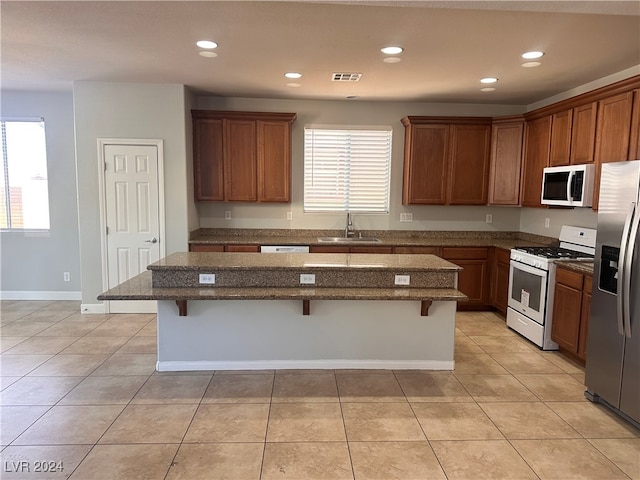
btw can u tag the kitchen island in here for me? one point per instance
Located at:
(237, 311)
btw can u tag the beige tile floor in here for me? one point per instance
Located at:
(80, 398)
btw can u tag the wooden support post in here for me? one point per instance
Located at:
(182, 308)
(306, 306)
(424, 307)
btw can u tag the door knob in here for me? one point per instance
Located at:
(153, 240)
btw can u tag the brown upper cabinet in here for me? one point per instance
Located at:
(573, 133)
(506, 160)
(634, 147)
(536, 158)
(446, 160)
(242, 156)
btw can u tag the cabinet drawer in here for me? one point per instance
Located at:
(588, 282)
(424, 250)
(568, 278)
(242, 248)
(453, 253)
(206, 248)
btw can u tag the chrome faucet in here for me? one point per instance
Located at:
(349, 231)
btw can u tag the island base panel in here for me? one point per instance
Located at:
(267, 334)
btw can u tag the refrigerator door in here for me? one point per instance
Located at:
(619, 186)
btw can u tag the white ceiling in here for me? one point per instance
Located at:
(448, 46)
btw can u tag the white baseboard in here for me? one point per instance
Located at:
(39, 295)
(305, 364)
(93, 308)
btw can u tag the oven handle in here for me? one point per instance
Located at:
(532, 270)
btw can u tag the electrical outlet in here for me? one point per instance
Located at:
(289, 215)
(207, 278)
(406, 217)
(488, 218)
(307, 279)
(403, 279)
(67, 276)
(227, 214)
(547, 222)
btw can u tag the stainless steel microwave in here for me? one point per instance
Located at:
(570, 186)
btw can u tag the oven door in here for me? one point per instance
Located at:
(528, 290)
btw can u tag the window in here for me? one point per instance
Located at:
(25, 200)
(347, 169)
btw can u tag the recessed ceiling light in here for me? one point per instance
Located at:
(293, 75)
(206, 44)
(293, 85)
(208, 54)
(392, 50)
(392, 59)
(531, 64)
(487, 89)
(488, 80)
(532, 55)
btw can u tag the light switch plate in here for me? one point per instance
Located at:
(307, 279)
(406, 217)
(403, 279)
(207, 278)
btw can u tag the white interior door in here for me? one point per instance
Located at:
(132, 217)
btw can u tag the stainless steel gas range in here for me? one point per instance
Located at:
(532, 278)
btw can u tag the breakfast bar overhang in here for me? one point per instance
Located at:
(236, 311)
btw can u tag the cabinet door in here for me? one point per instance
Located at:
(469, 164)
(473, 281)
(634, 148)
(583, 133)
(207, 159)
(565, 327)
(536, 157)
(560, 138)
(613, 132)
(240, 179)
(274, 161)
(506, 164)
(584, 318)
(425, 164)
(500, 283)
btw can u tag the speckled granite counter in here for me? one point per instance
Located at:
(585, 268)
(396, 238)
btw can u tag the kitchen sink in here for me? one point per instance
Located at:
(348, 239)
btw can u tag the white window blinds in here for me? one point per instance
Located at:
(347, 169)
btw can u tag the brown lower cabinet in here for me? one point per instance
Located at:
(571, 307)
(473, 280)
(500, 280)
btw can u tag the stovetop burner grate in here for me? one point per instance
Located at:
(554, 252)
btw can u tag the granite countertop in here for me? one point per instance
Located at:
(506, 240)
(140, 288)
(584, 267)
(205, 261)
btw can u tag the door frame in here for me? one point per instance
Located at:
(148, 142)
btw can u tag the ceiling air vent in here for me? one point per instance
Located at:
(345, 77)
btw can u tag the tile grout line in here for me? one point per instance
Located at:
(266, 430)
(344, 425)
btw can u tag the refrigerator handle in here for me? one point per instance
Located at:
(622, 270)
(628, 261)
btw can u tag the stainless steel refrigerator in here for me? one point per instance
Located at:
(613, 343)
